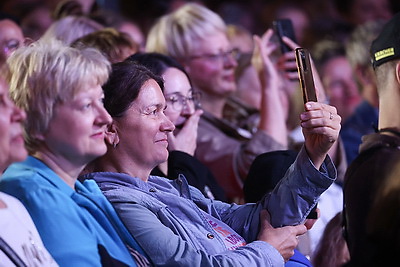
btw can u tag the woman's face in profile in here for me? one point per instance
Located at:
(77, 129)
(143, 130)
(11, 139)
(178, 95)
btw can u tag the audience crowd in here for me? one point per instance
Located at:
(174, 133)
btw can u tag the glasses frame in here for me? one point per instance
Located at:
(182, 101)
(221, 56)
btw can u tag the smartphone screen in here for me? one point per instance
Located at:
(313, 213)
(305, 75)
(284, 27)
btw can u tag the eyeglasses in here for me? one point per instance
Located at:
(178, 101)
(222, 56)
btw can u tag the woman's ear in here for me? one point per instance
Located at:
(398, 72)
(111, 135)
(39, 137)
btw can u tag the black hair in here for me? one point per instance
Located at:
(156, 62)
(343, 6)
(124, 84)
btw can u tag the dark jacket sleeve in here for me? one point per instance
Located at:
(196, 173)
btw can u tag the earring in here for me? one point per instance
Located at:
(114, 145)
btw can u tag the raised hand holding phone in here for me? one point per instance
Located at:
(320, 122)
(283, 28)
(308, 89)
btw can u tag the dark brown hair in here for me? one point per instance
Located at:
(124, 84)
(109, 41)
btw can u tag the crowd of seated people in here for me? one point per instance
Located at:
(182, 140)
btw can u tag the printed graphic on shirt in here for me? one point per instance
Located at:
(231, 239)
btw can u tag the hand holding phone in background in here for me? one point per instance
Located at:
(284, 27)
(288, 61)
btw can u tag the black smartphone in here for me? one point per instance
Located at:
(305, 75)
(284, 27)
(313, 213)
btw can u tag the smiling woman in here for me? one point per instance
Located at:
(145, 118)
(134, 99)
(59, 88)
(184, 110)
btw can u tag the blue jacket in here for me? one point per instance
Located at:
(78, 227)
(363, 121)
(298, 260)
(171, 220)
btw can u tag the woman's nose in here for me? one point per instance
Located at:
(167, 125)
(103, 116)
(19, 115)
(187, 109)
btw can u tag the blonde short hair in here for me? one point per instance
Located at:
(175, 34)
(70, 28)
(359, 43)
(46, 73)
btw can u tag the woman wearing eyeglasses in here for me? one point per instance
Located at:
(183, 103)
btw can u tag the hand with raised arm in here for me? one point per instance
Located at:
(272, 110)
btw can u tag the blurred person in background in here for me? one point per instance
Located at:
(364, 119)
(35, 23)
(113, 19)
(115, 45)
(337, 77)
(11, 38)
(70, 28)
(357, 12)
(332, 250)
